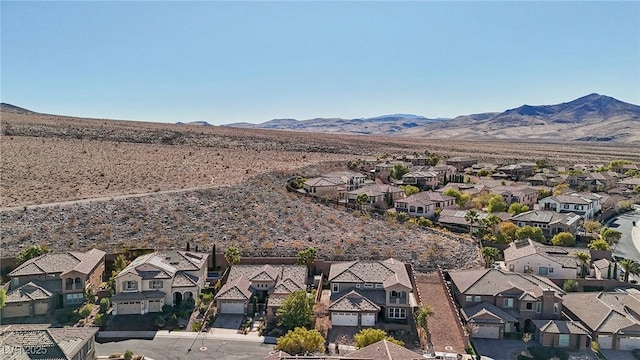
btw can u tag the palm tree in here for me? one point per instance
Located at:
(583, 258)
(232, 255)
(490, 254)
(422, 319)
(630, 267)
(472, 217)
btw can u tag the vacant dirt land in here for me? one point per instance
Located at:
(47, 158)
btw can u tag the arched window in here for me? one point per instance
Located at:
(69, 284)
(78, 282)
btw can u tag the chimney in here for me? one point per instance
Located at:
(548, 298)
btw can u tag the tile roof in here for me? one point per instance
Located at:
(492, 282)
(608, 312)
(388, 272)
(167, 264)
(561, 255)
(485, 312)
(384, 350)
(602, 264)
(427, 197)
(323, 181)
(27, 292)
(560, 327)
(376, 190)
(353, 302)
(56, 343)
(514, 189)
(62, 263)
(455, 216)
(236, 290)
(183, 279)
(547, 217)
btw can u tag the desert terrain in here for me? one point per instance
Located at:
(230, 186)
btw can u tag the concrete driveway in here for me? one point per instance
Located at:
(228, 321)
(499, 349)
(618, 355)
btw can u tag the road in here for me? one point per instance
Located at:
(176, 348)
(629, 245)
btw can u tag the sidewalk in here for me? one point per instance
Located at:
(212, 334)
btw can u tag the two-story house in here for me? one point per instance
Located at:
(157, 279)
(554, 262)
(423, 180)
(461, 162)
(366, 293)
(494, 302)
(334, 185)
(425, 203)
(517, 172)
(53, 280)
(379, 195)
(550, 222)
(246, 281)
(41, 341)
(585, 205)
(517, 194)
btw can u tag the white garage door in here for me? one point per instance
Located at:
(41, 307)
(229, 307)
(128, 307)
(368, 319)
(16, 310)
(155, 305)
(604, 341)
(344, 319)
(629, 343)
(486, 332)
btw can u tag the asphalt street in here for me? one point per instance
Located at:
(170, 348)
(626, 247)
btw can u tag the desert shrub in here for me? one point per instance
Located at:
(104, 305)
(197, 326)
(85, 310)
(128, 355)
(115, 356)
(98, 320)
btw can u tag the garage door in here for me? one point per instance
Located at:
(486, 332)
(368, 319)
(128, 307)
(344, 319)
(41, 307)
(155, 305)
(629, 343)
(604, 341)
(16, 310)
(229, 307)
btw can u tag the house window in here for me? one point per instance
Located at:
(155, 284)
(68, 284)
(512, 267)
(538, 308)
(368, 285)
(550, 270)
(507, 302)
(75, 298)
(378, 286)
(526, 269)
(129, 285)
(468, 298)
(477, 298)
(15, 281)
(397, 313)
(395, 293)
(529, 306)
(566, 206)
(556, 308)
(335, 287)
(78, 283)
(563, 340)
(543, 270)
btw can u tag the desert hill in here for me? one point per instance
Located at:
(592, 117)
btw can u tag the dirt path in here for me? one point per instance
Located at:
(444, 325)
(107, 198)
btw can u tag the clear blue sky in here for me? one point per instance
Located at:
(226, 62)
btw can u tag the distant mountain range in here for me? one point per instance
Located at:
(592, 117)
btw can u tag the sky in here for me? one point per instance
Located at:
(226, 62)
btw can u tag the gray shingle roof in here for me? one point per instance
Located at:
(56, 343)
(384, 350)
(61, 263)
(608, 312)
(560, 327)
(27, 292)
(547, 217)
(237, 290)
(492, 282)
(354, 302)
(564, 256)
(485, 312)
(388, 272)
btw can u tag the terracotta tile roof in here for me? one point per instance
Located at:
(560, 327)
(56, 343)
(384, 350)
(388, 272)
(60, 263)
(27, 292)
(354, 302)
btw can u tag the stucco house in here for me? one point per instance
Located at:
(365, 293)
(423, 180)
(334, 185)
(461, 162)
(553, 262)
(246, 281)
(550, 222)
(495, 302)
(53, 280)
(455, 219)
(425, 203)
(562, 334)
(41, 341)
(612, 318)
(517, 172)
(517, 194)
(585, 205)
(379, 195)
(157, 279)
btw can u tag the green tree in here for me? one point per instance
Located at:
(399, 169)
(361, 199)
(630, 267)
(543, 163)
(307, 256)
(471, 217)
(128, 355)
(543, 193)
(584, 258)
(461, 199)
(611, 236)
(301, 341)
(434, 159)
(296, 310)
(3, 297)
(517, 208)
(496, 204)
(592, 226)
(487, 226)
(422, 316)
(232, 255)
(563, 239)
(89, 296)
(370, 336)
(530, 232)
(570, 285)
(409, 189)
(490, 254)
(599, 244)
(31, 252)
(506, 232)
